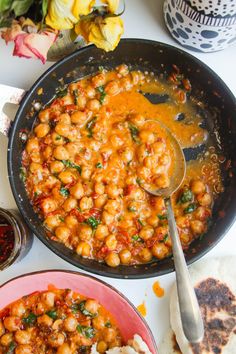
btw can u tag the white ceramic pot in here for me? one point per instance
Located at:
(202, 25)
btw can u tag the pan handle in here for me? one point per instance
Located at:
(8, 94)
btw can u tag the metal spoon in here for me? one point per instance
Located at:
(191, 318)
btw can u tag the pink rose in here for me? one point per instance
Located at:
(34, 45)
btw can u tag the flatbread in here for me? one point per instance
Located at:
(168, 344)
(215, 284)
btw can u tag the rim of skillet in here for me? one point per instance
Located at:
(44, 240)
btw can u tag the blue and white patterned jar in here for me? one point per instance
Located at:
(202, 25)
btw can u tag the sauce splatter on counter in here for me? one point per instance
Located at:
(157, 289)
(142, 309)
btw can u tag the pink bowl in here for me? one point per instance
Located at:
(129, 320)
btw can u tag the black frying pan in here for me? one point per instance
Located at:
(219, 115)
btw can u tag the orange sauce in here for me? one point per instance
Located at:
(142, 309)
(157, 289)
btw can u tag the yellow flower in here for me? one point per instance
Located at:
(105, 33)
(112, 5)
(63, 14)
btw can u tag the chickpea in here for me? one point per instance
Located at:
(122, 69)
(42, 130)
(93, 105)
(204, 199)
(153, 220)
(62, 233)
(77, 190)
(64, 349)
(145, 255)
(2, 329)
(60, 153)
(99, 188)
(69, 204)
(22, 337)
(56, 166)
(56, 339)
(158, 204)
(162, 181)
(147, 136)
(12, 323)
(150, 162)
(67, 177)
(197, 227)
(81, 102)
(101, 232)
(107, 218)
(102, 346)
(86, 203)
(83, 249)
(112, 206)
(144, 172)
(70, 323)
(6, 339)
(158, 147)
(100, 201)
(52, 221)
(67, 99)
(112, 88)
(98, 80)
(18, 309)
(135, 77)
(137, 194)
(48, 205)
(137, 119)
(90, 92)
(45, 320)
(44, 115)
(63, 129)
(142, 152)
(112, 259)
(159, 250)
(109, 334)
(125, 256)
(197, 187)
(126, 83)
(57, 139)
(98, 322)
(113, 191)
(78, 117)
(71, 221)
(92, 306)
(32, 144)
(85, 232)
(164, 160)
(86, 173)
(116, 141)
(111, 242)
(24, 349)
(48, 298)
(146, 232)
(64, 118)
(202, 213)
(127, 154)
(115, 343)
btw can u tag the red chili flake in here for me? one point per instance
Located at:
(6, 242)
(129, 189)
(101, 254)
(70, 108)
(80, 217)
(151, 241)
(96, 213)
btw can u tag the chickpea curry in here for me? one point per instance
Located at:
(91, 149)
(57, 321)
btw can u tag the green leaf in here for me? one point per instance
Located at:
(76, 96)
(61, 92)
(44, 8)
(88, 332)
(5, 5)
(61, 219)
(99, 165)
(102, 92)
(164, 238)
(20, 7)
(68, 163)
(12, 345)
(186, 196)
(30, 319)
(52, 314)
(84, 311)
(90, 126)
(134, 132)
(162, 217)
(190, 208)
(137, 238)
(108, 324)
(74, 308)
(93, 222)
(132, 209)
(141, 222)
(64, 192)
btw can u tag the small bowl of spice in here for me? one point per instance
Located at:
(15, 238)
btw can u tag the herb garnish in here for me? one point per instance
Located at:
(64, 192)
(164, 238)
(137, 238)
(141, 222)
(99, 165)
(93, 222)
(108, 324)
(68, 163)
(76, 96)
(61, 92)
(162, 217)
(30, 319)
(52, 314)
(84, 311)
(132, 209)
(134, 132)
(102, 92)
(22, 174)
(186, 196)
(190, 208)
(11, 348)
(88, 332)
(90, 126)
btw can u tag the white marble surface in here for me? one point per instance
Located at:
(143, 19)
